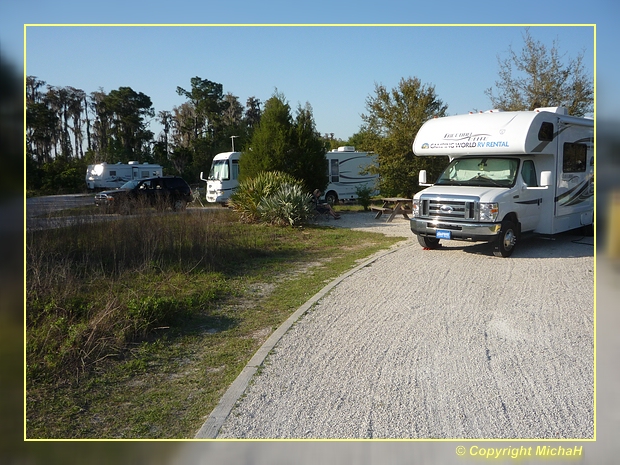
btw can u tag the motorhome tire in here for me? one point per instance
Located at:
(506, 241)
(428, 242)
(588, 230)
(331, 198)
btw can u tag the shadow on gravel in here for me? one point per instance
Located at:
(565, 245)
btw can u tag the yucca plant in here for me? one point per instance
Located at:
(273, 197)
(288, 205)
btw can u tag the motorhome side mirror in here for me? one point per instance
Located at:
(545, 178)
(422, 177)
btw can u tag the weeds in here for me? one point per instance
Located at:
(93, 288)
(136, 326)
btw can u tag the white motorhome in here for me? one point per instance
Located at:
(110, 176)
(347, 170)
(223, 178)
(509, 173)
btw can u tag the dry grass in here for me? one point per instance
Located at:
(135, 327)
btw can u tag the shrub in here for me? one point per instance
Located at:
(364, 194)
(272, 197)
(288, 205)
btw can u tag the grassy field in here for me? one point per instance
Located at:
(136, 327)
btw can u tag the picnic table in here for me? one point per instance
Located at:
(393, 206)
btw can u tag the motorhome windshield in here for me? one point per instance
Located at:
(480, 171)
(219, 170)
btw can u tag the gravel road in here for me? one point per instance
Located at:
(450, 343)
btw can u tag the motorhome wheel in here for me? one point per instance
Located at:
(506, 241)
(428, 242)
(331, 198)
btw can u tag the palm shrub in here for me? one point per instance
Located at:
(272, 197)
(288, 205)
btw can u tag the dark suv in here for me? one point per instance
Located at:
(160, 192)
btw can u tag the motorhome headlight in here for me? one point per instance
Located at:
(489, 211)
(415, 208)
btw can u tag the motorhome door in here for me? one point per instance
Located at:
(575, 183)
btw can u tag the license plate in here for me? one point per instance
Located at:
(443, 234)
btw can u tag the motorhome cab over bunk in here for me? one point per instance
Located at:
(509, 173)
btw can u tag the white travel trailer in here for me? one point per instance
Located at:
(509, 173)
(223, 178)
(110, 176)
(347, 170)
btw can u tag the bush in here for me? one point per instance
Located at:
(364, 194)
(272, 197)
(288, 205)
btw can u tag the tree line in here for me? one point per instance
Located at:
(67, 129)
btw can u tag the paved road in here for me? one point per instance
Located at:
(451, 343)
(40, 210)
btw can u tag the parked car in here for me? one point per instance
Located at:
(159, 192)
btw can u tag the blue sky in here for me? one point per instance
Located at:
(333, 68)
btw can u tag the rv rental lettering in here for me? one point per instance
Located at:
(466, 145)
(465, 140)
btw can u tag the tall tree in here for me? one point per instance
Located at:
(129, 110)
(281, 143)
(165, 119)
(394, 118)
(207, 97)
(252, 112)
(309, 163)
(539, 76)
(271, 143)
(76, 98)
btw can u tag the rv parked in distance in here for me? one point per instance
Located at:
(223, 177)
(348, 170)
(110, 176)
(509, 173)
(345, 170)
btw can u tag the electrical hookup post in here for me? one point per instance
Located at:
(550, 451)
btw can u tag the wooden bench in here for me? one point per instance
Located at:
(380, 210)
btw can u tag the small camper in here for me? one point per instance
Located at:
(223, 177)
(509, 173)
(348, 170)
(109, 176)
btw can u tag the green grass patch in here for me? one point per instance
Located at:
(137, 326)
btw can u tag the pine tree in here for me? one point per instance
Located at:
(280, 143)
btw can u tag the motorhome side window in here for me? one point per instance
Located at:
(335, 170)
(235, 169)
(546, 132)
(528, 173)
(112, 173)
(575, 157)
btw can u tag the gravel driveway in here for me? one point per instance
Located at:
(450, 343)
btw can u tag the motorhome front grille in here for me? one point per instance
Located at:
(452, 227)
(456, 209)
